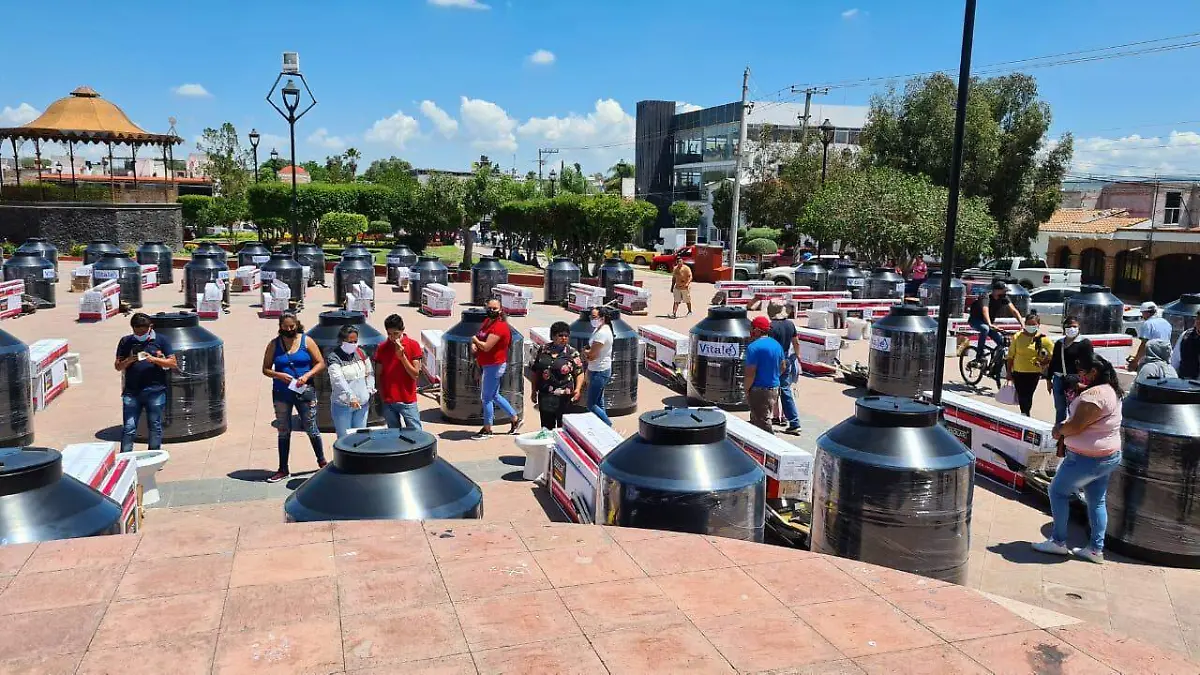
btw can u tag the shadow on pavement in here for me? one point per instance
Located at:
(512, 460)
(250, 475)
(111, 434)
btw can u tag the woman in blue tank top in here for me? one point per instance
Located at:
(293, 358)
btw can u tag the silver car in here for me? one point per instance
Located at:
(1048, 303)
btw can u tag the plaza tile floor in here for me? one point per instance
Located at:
(218, 481)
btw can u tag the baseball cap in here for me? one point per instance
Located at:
(761, 323)
(1149, 306)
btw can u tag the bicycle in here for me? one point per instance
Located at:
(973, 368)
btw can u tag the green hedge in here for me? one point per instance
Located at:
(51, 192)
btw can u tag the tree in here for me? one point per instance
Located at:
(481, 195)
(223, 212)
(379, 227)
(685, 214)
(225, 161)
(317, 172)
(336, 170)
(342, 226)
(759, 247)
(1005, 161)
(392, 172)
(440, 205)
(722, 205)
(192, 206)
(616, 172)
(351, 157)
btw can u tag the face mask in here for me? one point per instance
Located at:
(493, 313)
(1031, 329)
(143, 338)
(1085, 380)
(596, 323)
(1071, 332)
(348, 348)
(288, 332)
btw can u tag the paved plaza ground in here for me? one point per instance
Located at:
(216, 485)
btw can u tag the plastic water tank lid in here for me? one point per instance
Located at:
(909, 309)
(1092, 288)
(384, 451)
(894, 411)
(682, 426)
(175, 319)
(475, 314)
(1173, 391)
(726, 312)
(29, 468)
(1189, 299)
(341, 317)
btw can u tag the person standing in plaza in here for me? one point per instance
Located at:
(1028, 358)
(352, 379)
(1185, 357)
(681, 283)
(490, 346)
(1153, 327)
(291, 361)
(599, 357)
(556, 375)
(399, 361)
(763, 368)
(144, 359)
(1061, 379)
(783, 331)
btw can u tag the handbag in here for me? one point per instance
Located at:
(1007, 395)
(308, 395)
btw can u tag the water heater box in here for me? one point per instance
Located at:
(1005, 443)
(573, 479)
(789, 468)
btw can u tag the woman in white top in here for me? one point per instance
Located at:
(352, 376)
(599, 357)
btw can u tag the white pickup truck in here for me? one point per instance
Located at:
(1029, 272)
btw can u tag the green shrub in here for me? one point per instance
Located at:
(759, 246)
(416, 241)
(763, 233)
(76, 250)
(193, 206)
(339, 226)
(379, 227)
(52, 192)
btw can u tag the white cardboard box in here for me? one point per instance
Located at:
(360, 298)
(538, 336)
(740, 293)
(514, 300)
(1114, 347)
(249, 278)
(121, 486)
(100, 302)
(631, 299)
(434, 353)
(573, 478)
(48, 370)
(595, 437)
(1001, 440)
(149, 276)
(819, 350)
(437, 300)
(789, 468)
(10, 297)
(208, 303)
(798, 302)
(583, 296)
(89, 463)
(666, 352)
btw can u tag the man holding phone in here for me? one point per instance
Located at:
(144, 358)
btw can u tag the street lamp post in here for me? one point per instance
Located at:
(58, 170)
(254, 149)
(290, 96)
(553, 177)
(827, 130)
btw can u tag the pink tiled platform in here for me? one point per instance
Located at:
(507, 597)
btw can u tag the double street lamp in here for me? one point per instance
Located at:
(254, 149)
(827, 129)
(290, 96)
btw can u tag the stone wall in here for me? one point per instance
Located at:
(68, 224)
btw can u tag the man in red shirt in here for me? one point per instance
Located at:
(399, 360)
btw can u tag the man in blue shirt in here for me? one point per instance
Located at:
(764, 365)
(1153, 327)
(144, 358)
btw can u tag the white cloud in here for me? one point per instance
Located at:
(850, 13)
(396, 130)
(1135, 155)
(684, 107)
(488, 125)
(321, 138)
(542, 57)
(460, 4)
(19, 115)
(446, 125)
(607, 124)
(191, 91)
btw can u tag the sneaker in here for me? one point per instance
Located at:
(1052, 547)
(793, 429)
(321, 463)
(277, 476)
(481, 435)
(1089, 554)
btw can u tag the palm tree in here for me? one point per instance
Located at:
(352, 156)
(616, 172)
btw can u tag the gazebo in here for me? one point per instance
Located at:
(85, 117)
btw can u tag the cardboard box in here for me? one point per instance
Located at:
(434, 353)
(798, 301)
(10, 298)
(1004, 443)
(48, 370)
(595, 437)
(1115, 347)
(666, 352)
(583, 296)
(573, 479)
(360, 298)
(149, 276)
(437, 300)
(819, 351)
(89, 463)
(81, 278)
(208, 303)
(631, 299)
(514, 300)
(538, 336)
(789, 468)
(853, 308)
(100, 302)
(248, 278)
(121, 486)
(741, 293)
(403, 278)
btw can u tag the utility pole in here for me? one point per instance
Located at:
(737, 173)
(542, 152)
(808, 94)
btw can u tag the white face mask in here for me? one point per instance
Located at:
(1071, 332)
(596, 323)
(1031, 329)
(349, 348)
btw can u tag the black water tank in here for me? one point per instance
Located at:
(16, 393)
(620, 396)
(903, 352)
(155, 252)
(281, 266)
(883, 282)
(613, 271)
(38, 502)
(356, 247)
(96, 249)
(41, 281)
(892, 487)
(486, 275)
(196, 390)
(118, 265)
(681, 473)
(1099, 311)
(1153, 510)
(460, 374)
(1018, 295)
(1181, 314)
(215, 249)
(428, 270)
(312, 257)
(812, 274)
(355, 266)
(717, 357)
(556, 284)
(400, 256)
(930, 292)
(325, 335)
(42, 247)
(385, 474)
(847, 277)
(253, 253)
(202, 269)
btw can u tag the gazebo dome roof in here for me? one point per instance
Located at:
(87, 118)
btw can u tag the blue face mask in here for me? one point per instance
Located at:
(144, 338)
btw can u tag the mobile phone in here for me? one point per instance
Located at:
(142, 356)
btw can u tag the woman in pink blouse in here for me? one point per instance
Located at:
(1091, 435)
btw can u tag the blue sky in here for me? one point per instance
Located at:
(438, 82)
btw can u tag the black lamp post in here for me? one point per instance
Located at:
(553, 177)
(827, 130)
(290, 96)
(254, 149)
(58, 170)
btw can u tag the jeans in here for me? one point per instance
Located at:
(1089, 474)
(1058, 384)
(307, 411)
(346, 418)
(986, 332)
(409, 413)
(787, 398)
(132, 406)
(490, 394)
(597, 381)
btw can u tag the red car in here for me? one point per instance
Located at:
(666, 261)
